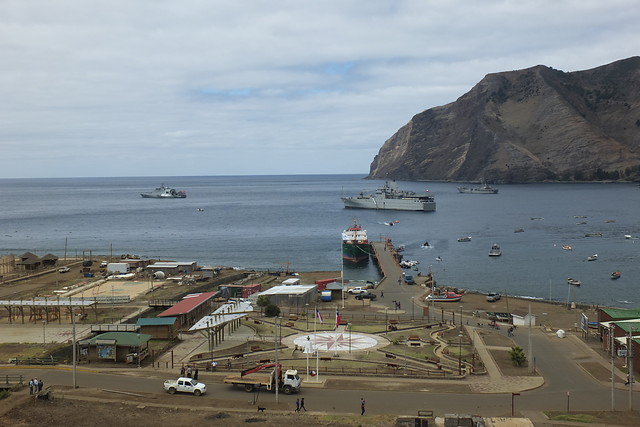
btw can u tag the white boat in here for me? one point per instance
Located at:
(464, 239)
(592, 257)
(567, 248)
(574, 282)
(388, 197)
(495, 250)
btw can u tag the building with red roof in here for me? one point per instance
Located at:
(191, 308)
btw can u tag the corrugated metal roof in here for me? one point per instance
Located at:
(189, 303)
(288, 290)
(156, 321)
(225, 313)
(619, 313)
(122, 338)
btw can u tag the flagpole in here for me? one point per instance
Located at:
(315, 344)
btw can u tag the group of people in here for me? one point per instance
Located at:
(300, 405)
(35, 385)
(189, 372)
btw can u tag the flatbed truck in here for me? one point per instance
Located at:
(251, 379)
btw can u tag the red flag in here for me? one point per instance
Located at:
(337, 318)
(319, 316)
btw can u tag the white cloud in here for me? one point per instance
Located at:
(206, 87)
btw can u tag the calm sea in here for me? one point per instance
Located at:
(271, 222)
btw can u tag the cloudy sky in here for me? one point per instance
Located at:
(253, 87)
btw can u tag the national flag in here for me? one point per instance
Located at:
(319, 316)
(337, 318)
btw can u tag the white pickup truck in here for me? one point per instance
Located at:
(357, 290)
(185, 385)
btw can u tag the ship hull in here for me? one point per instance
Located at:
(355, 252)
(389, 204)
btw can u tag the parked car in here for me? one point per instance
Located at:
(357, 290)
(409, 280)
(367, 295)
(64, 270)
(493, 296)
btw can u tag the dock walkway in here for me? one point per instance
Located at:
(387, 257)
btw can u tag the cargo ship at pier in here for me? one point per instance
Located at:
(355, 244)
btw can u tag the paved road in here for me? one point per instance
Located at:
(417, 395)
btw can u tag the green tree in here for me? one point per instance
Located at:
(262, 302)
(272, 310)
(517, 356)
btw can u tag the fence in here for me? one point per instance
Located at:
(36, 361)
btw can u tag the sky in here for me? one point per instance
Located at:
(263, 87)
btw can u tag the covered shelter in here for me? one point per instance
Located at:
(29, 262)
(118, 347)
(48, 309)
(190, 309)
(523, 318)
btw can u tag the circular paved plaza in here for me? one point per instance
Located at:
(335, 341)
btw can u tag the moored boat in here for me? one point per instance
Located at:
(355, 243)
(464, 239)
(445, 297)
(616, 275)
(495, 250)
(164, 192)
(592, 257)
(389, 197)
(567, 247)
(574, 282)
(483, 189)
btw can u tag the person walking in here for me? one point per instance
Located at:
(361, 406)
(31, 386)
(195, 374)
(297, 405)
(188, 371)
(302, 405)
(182, 371)
(381, 294)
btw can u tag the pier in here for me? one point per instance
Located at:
(387, 257)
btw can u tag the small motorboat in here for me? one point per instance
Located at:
(616, 275)
(519, 230)
(574, 282)
(445, 297)
(567, 247)
(464, 239)
(495, 250)
(592, 257)
(426, 245)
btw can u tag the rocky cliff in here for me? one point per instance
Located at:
(537, 124)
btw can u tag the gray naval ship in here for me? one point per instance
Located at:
(388, 197)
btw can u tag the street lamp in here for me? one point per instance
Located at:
(460, 354)
(349, 326)
(44, 332)
(386, 321)
(460, 318)
(307, 315)
(412, 308)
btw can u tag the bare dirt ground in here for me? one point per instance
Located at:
(90, 407)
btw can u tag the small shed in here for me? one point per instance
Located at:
(523, 318)
(159, 327)
(118, 347)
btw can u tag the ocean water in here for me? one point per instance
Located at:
(295, 222)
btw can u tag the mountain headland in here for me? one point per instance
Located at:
(532, 125)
